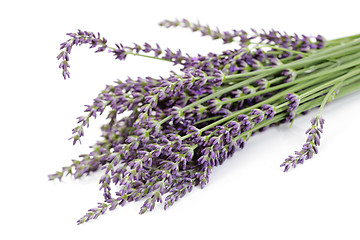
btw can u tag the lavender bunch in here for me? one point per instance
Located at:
(181, 126)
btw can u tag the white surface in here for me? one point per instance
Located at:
(248, 197)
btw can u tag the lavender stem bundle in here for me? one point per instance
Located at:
(181, 126)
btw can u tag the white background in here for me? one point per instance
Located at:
(248, 197)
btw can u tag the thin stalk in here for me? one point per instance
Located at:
(350, 74)
(280, 48)
(341, 40)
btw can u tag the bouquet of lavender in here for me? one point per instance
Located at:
(181, 126)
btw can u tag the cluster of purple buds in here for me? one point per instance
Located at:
(309, 148)
(269, 111)
(79, 38)
(289, 75)
(294, 102)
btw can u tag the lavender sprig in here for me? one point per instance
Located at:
(317, 124)
(79, 38)
(309, 148)
(120, 52)
(294, 42)
(94, 213)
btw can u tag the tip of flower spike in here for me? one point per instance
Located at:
(57, 175)
(75, 138)
(79, 222)
(143, 210)
(286, 168)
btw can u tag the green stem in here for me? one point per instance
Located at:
(341, 40)
(208, 119)
(282, 49)
(350, 74)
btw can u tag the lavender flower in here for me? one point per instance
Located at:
(309, 148)
(79, 38)
(94, 213)
(269, 111)
(257, 115)
(294, 102)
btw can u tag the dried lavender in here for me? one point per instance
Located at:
(181, 126)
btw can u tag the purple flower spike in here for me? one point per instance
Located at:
(310, 147)
(257, 115)
(269, 111)
(79, 38)
(294, 101)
